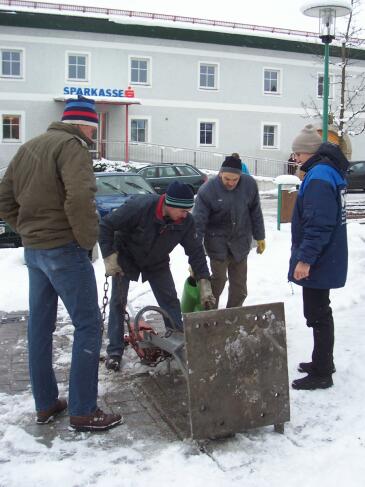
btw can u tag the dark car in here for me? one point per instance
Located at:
(356, 175)
(114, 188)
(161, 175)
(8, 238)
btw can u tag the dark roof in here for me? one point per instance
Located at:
(104, 26)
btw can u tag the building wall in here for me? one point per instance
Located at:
(173, 103)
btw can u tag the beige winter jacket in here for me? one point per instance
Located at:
(47, 192)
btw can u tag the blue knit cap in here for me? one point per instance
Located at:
(80, 112)
(179, 195)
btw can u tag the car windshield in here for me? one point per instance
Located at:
(121, 184)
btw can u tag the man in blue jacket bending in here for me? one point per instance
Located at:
(318, 260)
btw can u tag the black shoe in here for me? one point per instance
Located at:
(307, 367)
(112, 362)
(313, 382)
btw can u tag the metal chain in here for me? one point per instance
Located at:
(105, 303)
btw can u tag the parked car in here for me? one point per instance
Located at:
(114, 188)
(8, 238)
(356, 175)
(161, 175)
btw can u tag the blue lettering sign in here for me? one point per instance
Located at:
(110, 92)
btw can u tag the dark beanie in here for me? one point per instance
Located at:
(179, 195)
(80, 112)
(232, 164)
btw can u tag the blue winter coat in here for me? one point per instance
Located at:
(319, 235)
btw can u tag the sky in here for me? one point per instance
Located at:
(282, 13)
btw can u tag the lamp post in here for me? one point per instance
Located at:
(327, 12)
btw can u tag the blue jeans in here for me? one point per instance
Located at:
(163, 288)
(64, 272)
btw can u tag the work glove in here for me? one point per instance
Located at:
(112, 268)
(260, 246)
(207, 300)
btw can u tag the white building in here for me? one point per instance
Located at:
(206, 88)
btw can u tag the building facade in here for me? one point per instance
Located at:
(203, 90)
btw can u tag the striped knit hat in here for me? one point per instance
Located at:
(80, 112)
(179, 195)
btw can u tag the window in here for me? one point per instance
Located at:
(186, 171)
(77, 66)
(139, 130)
(208, 132)
(208, 74)
(272, 81)
(270, 136)
(11, 63)
(167, 172)
(320, 80)
(150, 172)
(11, 128)
(140, 71)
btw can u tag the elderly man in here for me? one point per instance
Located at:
(137, 239)
(318, 260)
(47, 196)
(227, 215)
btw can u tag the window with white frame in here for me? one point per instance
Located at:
(207, 133)
(320, 85)
(139, 130)
(140, 71)
(11, 128)
(208, 76)
(272, 80)
(77, 66)
(11, 63)
(270, 136)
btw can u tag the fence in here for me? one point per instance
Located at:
(152, 153)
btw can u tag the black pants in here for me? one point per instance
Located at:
(318, 313)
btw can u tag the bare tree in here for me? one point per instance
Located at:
(344, 110)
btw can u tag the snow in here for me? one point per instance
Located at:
(323, 444)
(287, 179)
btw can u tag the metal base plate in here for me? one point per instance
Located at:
(237, 369)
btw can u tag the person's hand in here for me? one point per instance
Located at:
(301, 271)
(112, 268)
(207, 300)
(260, 246)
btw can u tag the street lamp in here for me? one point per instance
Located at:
(327, 12)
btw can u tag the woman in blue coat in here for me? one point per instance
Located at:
(318, 260)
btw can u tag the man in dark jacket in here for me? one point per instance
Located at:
(47, 195)
(318, 260)
(137, 239)
(227, 214)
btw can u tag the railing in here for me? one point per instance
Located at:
(156, 154)
(149, 15)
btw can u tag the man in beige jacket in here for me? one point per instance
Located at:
(47, 196)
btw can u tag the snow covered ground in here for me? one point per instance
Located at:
(323, 444)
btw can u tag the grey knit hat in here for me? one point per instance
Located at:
(308, 140)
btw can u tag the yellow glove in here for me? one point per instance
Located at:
(260, 246)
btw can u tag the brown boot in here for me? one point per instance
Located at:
(96, 421)
(44, 417)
